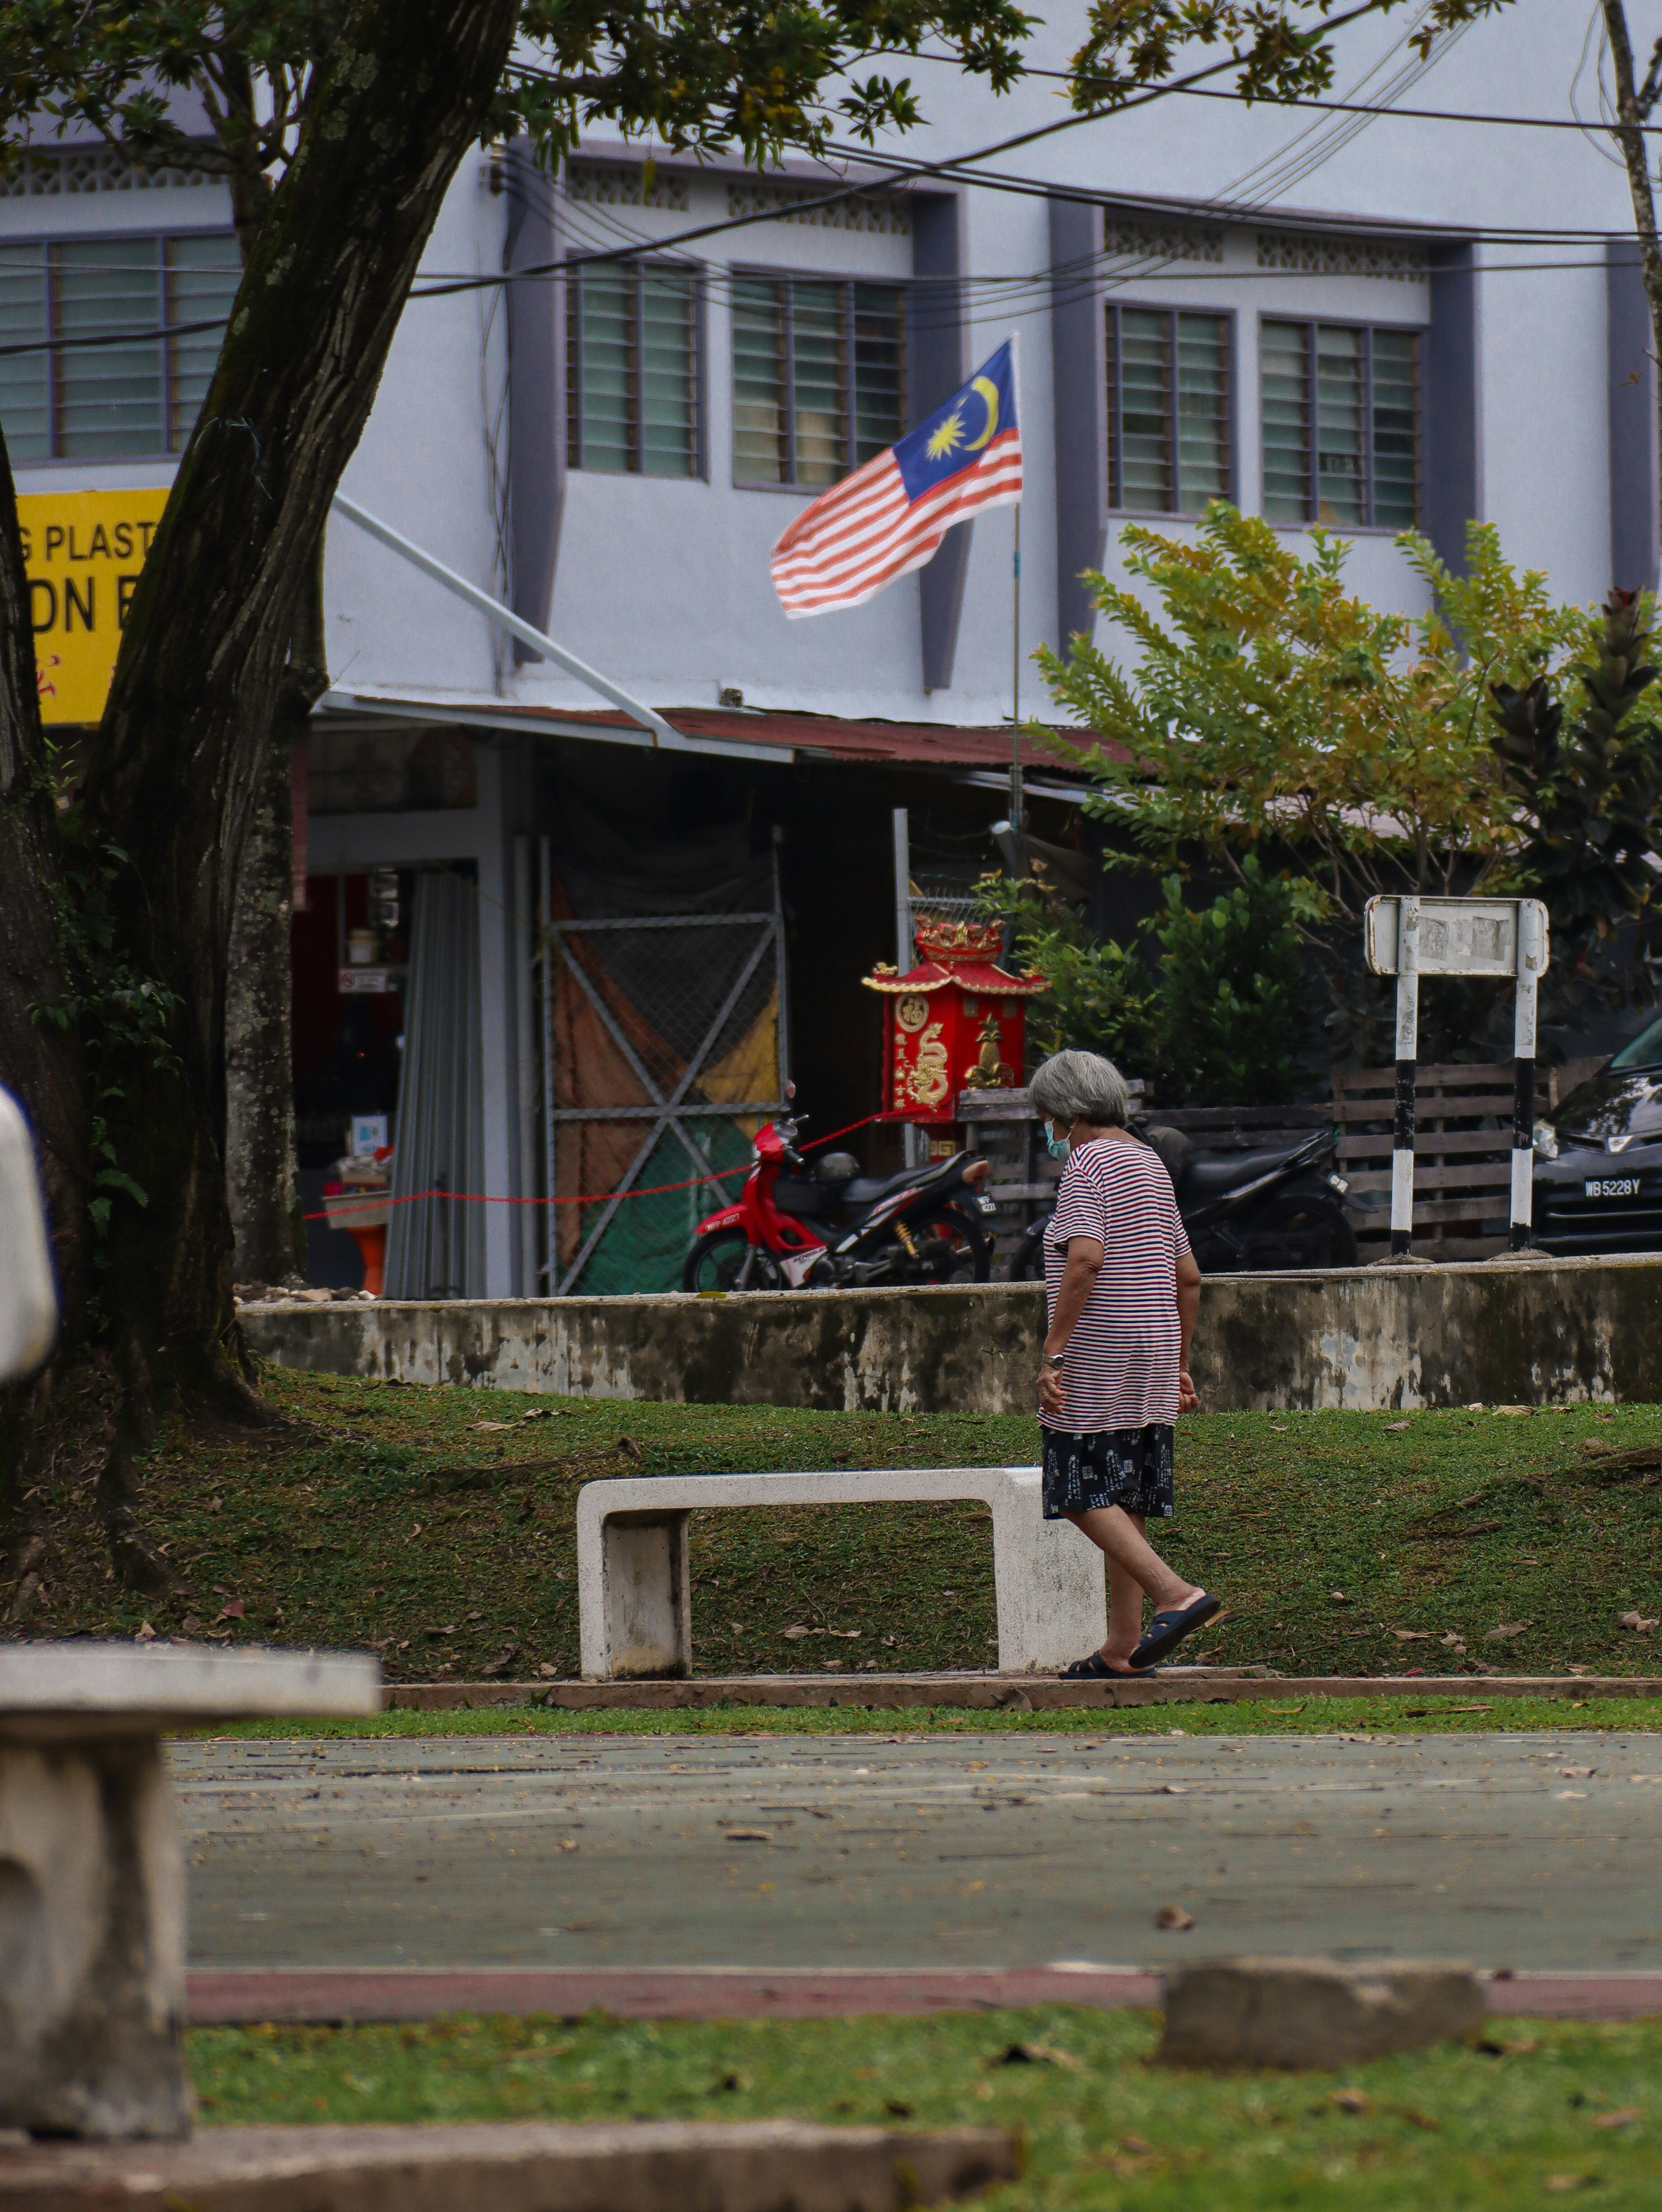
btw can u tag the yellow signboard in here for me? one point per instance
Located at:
(83, 550)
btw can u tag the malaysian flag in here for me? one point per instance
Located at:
(889, 516)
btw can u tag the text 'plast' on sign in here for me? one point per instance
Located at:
(84, 551)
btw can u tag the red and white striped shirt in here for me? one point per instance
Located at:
(1122, 1358)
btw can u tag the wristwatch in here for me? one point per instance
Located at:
(1057, 1359)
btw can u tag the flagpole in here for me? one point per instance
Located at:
(1016, 687)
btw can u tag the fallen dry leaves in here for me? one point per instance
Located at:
(1505, 1629)
(1038, 2054)
(1174, 1916)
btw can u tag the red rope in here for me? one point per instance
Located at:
(584, 1197)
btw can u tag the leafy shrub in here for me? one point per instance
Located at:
(1215, 1014)
(1229, 992)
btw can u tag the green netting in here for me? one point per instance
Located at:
(646, 1239)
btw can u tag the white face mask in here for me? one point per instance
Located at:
(1057, 1146)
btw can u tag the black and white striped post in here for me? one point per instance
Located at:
(1407, 1053)
(1410, 937)
(1531, 960)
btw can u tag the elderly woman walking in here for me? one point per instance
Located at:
(1122, 1291)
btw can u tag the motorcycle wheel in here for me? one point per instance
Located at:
(951, 1248)
(716, 1258)
(1292, 1230)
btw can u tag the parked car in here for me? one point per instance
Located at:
(1598, 1161)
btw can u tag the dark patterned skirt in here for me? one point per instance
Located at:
(1128, 1467)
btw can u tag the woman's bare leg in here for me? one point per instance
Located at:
(1124, 1608)
(1119, 1535)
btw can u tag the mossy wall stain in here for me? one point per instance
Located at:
(1525, 1333)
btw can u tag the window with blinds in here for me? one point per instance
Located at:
(1168, 410)
(1340, 418)
(819, 378)
(632, 352)
(113, 367)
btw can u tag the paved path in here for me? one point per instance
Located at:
(990, 1850)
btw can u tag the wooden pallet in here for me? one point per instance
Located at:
(1002, 1125)
(1462, 1157)
(1462, 1150)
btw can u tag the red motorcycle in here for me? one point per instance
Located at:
(796, 1226)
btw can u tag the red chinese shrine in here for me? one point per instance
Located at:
(956, 1022)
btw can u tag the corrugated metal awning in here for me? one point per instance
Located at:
(979, 754)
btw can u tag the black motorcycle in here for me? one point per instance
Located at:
(1275, 1208)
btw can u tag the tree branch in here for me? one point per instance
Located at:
(1629, 137)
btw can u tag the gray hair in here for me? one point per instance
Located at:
(1079, 1086)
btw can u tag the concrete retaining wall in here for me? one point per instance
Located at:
(1501, 1332)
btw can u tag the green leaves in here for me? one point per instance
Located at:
(1230, 992)
(1266, 707)
(1101, 995)
(1279, 49)
(1591, 795)
(698, 75)
(1216, 1015)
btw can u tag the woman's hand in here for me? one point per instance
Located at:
(1052, 1390)
(1187, 1396)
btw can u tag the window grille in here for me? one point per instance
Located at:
(1340, 419)
(618, 184)
(110, 373)
(1396, 261)
(819, 378)
(632, 370)
(59, 173)
(1168, 410)
(882, 215)
(1134, 238)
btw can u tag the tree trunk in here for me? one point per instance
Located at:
(178, 763)
(1634, 106)
(269, 1236)
(259, 1084)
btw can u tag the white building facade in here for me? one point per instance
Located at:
(1372, 321)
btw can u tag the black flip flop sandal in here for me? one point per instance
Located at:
(1167, 1630)
(1096, 1669)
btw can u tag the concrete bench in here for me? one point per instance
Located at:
(92, 1870)
(635, 1589)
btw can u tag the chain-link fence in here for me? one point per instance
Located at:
(663, 1050)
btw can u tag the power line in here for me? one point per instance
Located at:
(1425, 114)
(947, 166)
(1041, 283)
(957, 168)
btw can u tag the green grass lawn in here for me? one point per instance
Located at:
(1465, 1714)
(1536, 2110)
(437, 1526)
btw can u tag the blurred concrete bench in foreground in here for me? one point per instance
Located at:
(92, 1870)
(645, 2166)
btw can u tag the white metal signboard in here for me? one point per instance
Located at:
(1460, 937)
(1410, 937)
